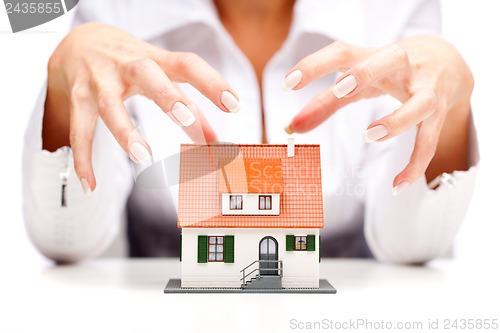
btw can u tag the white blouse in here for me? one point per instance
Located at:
(415, 226)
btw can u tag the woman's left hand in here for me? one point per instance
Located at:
(426, 73)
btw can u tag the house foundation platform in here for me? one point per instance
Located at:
(174, 287)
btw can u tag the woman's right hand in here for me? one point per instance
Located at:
(96, 67)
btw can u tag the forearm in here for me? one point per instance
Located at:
(79, 227)
(419, 224)
(62, 223)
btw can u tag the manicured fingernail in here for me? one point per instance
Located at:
(140, 154)
(291, 80)
(400, 188)
(375, 133)
(183, 115)
(344, 87)
(288, 130)
(86, 187)
(230, 102)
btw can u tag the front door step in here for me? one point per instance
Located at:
(264, 282)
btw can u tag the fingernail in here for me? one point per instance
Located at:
(87, 191)
(344, 87)
(400, 188)
(230, 102)
(140, 154)
(291, 80)
(288, 130)
(375, 133)
(183, 115)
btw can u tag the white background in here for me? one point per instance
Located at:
(473, 26)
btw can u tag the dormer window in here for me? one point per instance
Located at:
(235, 202)
(265, 202)
(250, 204)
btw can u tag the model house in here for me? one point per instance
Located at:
(250, 216)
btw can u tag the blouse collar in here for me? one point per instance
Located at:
(335, 19)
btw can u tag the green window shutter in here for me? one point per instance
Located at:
(229, 249)
(180, 247)
(319, 250)
(202, 249)
(290, 242)
(311, 242)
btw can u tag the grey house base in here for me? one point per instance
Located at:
(174, 287)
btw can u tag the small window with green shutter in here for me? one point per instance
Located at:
(202, 249)
(216, 249)
(301, 243)
(311, 243)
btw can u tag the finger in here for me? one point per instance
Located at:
(200, 131)
(209, 133)
(388, 60)
(83, 117)
(155, 84)
(321, 108)
(418, 108)
(337, 56)
(425, 147)
(115, 117)
(190, 68)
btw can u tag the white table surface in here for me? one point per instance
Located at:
(120, 295)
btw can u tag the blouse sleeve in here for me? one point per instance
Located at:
(62, 223)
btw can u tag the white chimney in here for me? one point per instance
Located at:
(291, 147)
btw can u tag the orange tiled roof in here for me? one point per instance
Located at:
(208, 171)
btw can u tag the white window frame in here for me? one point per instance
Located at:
(250, 204)
(236, 202)
(265, 202)
(300, 243)
(216, 248)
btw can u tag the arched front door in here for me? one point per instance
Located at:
(268, 250)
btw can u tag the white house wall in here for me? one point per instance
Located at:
(300, 268)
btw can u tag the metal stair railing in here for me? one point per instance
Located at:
(279, 269)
